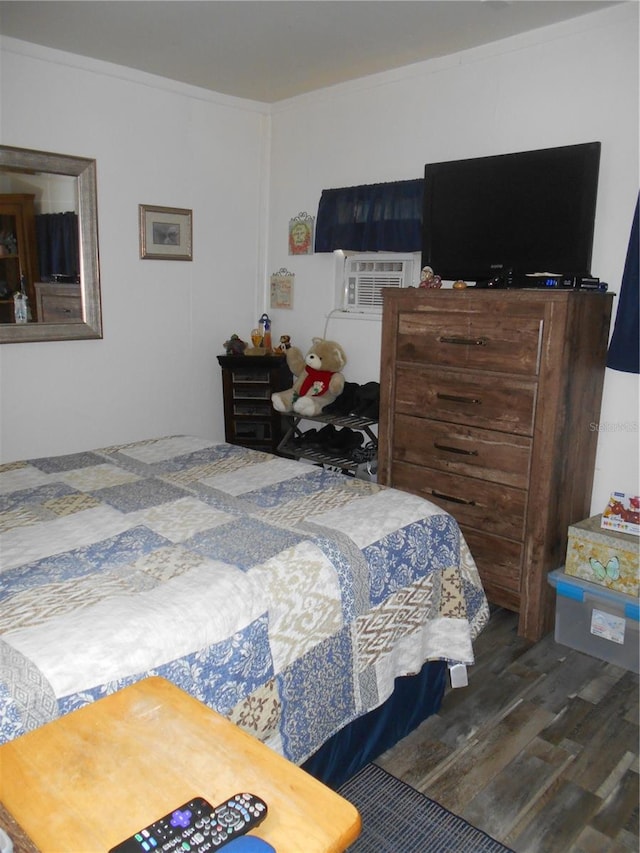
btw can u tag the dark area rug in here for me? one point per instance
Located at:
(398, 819)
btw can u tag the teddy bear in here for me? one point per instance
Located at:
(318, 380)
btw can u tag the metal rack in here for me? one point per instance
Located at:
(318, 456)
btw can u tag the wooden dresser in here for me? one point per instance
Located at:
(490, 402)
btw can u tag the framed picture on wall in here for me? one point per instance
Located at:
(165, 233)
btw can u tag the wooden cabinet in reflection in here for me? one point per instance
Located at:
(18, 252)
(58, 303)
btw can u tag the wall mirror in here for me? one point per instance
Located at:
(49, 273)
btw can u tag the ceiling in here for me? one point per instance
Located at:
(275, 49)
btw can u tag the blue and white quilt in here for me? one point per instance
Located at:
(284, 596)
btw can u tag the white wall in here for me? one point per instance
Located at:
(566, 84)
(243, 168)
(155, 142)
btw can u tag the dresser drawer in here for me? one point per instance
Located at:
(61, 309)
(485, 506)
(58, 303)
(510, 344)
(499, 562)
(464, 397)
(487, 454)
(498, 557)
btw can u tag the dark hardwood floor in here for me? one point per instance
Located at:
(540, 750)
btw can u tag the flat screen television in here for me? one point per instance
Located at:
(528, 212)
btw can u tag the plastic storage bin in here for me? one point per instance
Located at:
(598, 621)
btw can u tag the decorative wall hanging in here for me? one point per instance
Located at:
(282, 289)
(165, 233)
(301, 234)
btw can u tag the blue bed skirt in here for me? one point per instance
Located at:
(415, 698)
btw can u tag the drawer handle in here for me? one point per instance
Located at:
(470, 342)
(458, 398)
(450, 498)
(455, 449)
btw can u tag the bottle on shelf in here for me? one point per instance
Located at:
(21, 304)
(265, 326)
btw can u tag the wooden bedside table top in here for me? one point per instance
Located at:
(90, 779)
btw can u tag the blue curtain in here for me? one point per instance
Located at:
(624, 349)
(57, 239)
(371, 218)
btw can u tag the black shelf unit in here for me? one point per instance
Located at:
(248, 381)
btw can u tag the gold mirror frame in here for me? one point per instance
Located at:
(84, 170)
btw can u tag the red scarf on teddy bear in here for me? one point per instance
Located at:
(316, 381)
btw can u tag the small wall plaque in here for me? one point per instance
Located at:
(301, 234)
(282, 289)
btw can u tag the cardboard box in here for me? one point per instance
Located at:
(603, 557)
(622, 513)
(597, 621)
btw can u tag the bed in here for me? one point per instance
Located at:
(287, 597)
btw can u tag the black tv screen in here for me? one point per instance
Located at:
(529, 212)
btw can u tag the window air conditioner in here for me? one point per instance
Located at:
(364, 276)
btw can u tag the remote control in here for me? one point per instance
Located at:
(197, 826)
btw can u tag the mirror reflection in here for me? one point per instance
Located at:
(49, 280)
(38, 245)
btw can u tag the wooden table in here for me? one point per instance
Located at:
(90, 779)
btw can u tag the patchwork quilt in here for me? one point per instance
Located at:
(285, 596)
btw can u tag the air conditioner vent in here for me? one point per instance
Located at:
(366, 275)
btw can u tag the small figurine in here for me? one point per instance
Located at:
(429, 279)
(235, 345)
(284, 345)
